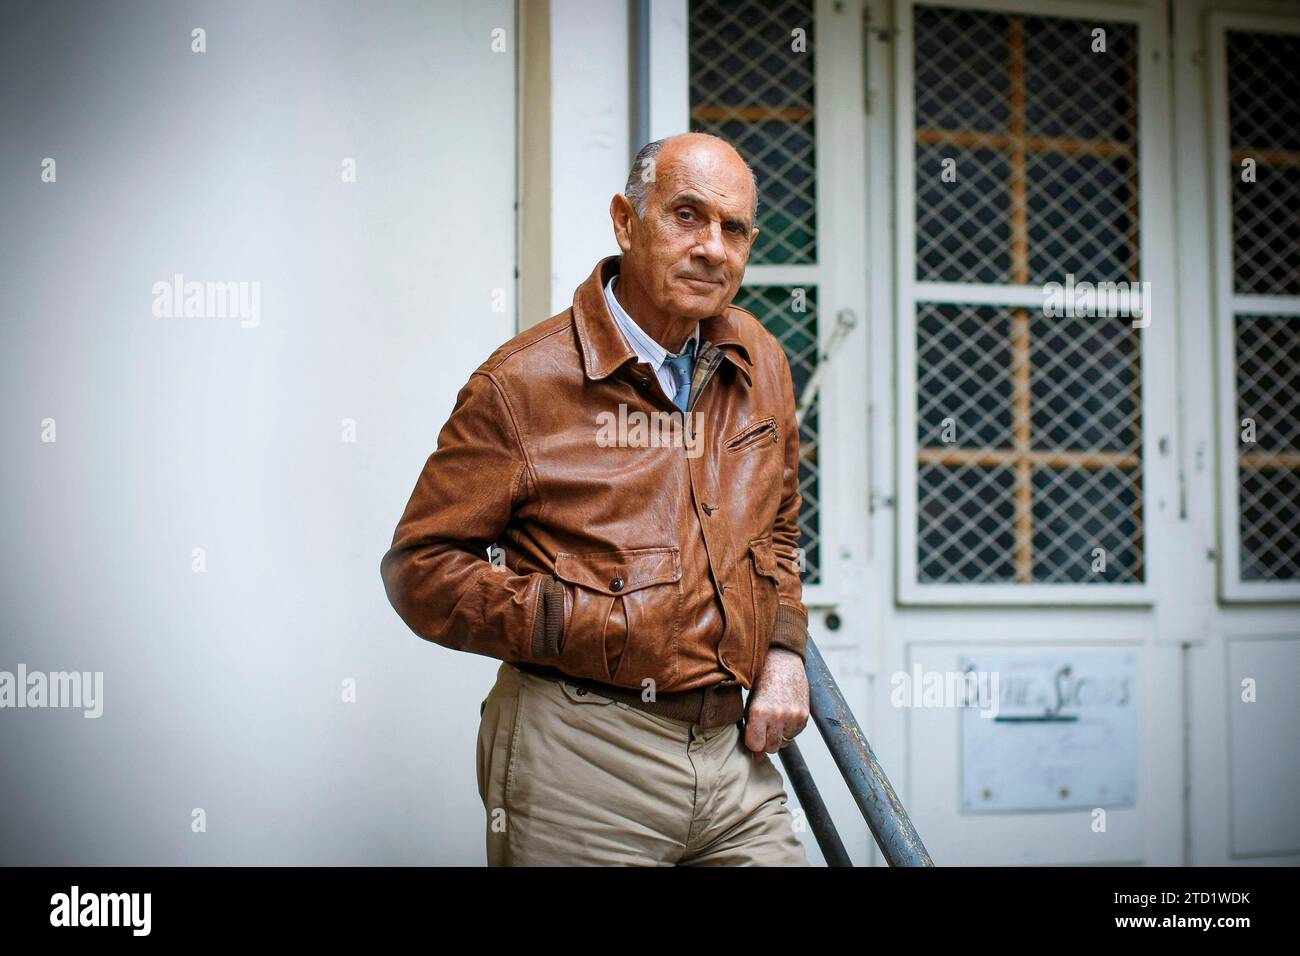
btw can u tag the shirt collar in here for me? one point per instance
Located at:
(604, 348)
(645, 346)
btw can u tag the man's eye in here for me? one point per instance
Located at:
(686, 213)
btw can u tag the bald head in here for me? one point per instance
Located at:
(644, 172)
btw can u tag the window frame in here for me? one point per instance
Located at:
(1228, 304)
(838, 272)
(1157, 342)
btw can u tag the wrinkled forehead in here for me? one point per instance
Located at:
(718, 176)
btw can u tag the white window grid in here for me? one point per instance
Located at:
(1236, 314)
(1155, 411)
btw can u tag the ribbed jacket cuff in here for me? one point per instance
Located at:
(791, 630)
(548, 622)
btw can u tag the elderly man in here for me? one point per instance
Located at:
(612, 512)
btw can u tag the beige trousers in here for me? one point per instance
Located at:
(571, 778)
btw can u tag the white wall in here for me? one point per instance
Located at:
(589, 137)
(222, 690)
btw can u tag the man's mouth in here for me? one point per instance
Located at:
(702, 282)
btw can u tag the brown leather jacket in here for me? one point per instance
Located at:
(671, 557)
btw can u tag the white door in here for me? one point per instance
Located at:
(1057, 325)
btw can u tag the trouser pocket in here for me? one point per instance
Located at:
(497, 743)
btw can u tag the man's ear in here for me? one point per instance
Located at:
(623, 216)
(752, 236)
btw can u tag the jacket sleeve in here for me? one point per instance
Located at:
(791, 616)
(437, 574)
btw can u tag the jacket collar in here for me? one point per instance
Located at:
(603, 347)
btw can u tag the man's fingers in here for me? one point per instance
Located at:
(790, 733)
(774, 731)
(756, 730)
(766, 729)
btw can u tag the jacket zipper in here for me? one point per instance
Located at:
(753, 437)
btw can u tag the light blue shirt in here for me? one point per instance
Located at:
(646, 348)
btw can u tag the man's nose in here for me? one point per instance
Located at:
(711, 245)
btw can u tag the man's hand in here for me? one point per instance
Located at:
(778, 703)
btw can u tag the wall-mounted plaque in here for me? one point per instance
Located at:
(1063, 734)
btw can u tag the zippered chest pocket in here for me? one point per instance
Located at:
(754, 435)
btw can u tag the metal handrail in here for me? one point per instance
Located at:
(880, 806)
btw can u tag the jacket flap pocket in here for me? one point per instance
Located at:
(764, 556)
(617, 572)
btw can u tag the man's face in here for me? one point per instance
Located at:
(689, 251)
